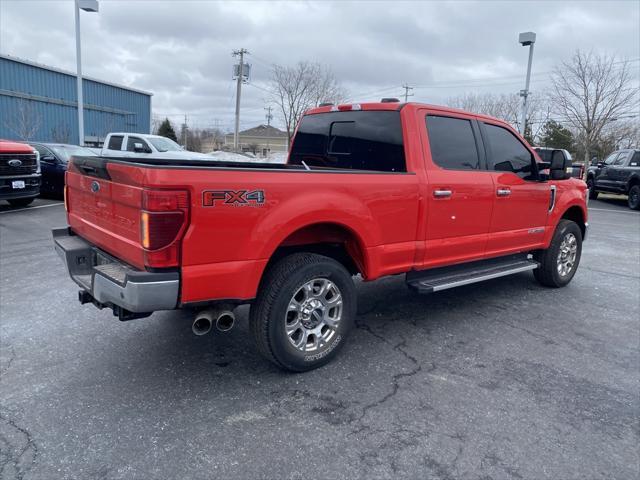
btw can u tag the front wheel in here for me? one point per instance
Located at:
(593, 194)
(304, 310)
(559, 262)
(634, 197)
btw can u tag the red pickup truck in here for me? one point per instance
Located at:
(445, 196)
(19, 173)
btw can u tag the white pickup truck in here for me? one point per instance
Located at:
(138, 145)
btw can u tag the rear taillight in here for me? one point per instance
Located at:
(163, 221)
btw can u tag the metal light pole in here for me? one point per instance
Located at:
(526, 39)
(87, 6)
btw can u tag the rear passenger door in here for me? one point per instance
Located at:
(521, 200)
(460, 190)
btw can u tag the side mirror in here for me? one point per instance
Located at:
(139, 148)
(48, 159)
(559, 165)
(600, 164)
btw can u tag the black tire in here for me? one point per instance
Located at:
(548, 273)
(270, 311)
(20, 202)
(634, 197)
(593, 194)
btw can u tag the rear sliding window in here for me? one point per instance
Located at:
(353, 140)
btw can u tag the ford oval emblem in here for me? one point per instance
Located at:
(95, 187)
(15, 163)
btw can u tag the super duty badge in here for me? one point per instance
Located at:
(236, 198)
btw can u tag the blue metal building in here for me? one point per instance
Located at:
(39, 103)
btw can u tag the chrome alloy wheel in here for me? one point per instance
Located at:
(313, 314)
(567, 254)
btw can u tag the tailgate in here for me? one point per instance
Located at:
(105, 210)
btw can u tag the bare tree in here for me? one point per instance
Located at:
(301, 87)
(26, 121)
(61, 134)
(589, 92)
(506, 107)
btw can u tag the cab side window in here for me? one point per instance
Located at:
(115, 142)
(635, 161)
(452, 143)
(621, 159)
(131, 144)
(508, 154)
(611, 158)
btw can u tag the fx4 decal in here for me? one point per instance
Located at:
(236, 198)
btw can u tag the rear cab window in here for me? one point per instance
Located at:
(452, 143)
(367, 140)
(115, 142)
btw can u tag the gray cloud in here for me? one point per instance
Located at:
(181, 51)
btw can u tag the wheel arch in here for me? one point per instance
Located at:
(634, 180)
(329, 238)
(576, 214)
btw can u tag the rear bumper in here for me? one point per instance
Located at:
(107, 282)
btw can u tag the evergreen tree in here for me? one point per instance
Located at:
(166, 130)
(556, 136)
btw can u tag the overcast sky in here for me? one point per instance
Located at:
(181, 50)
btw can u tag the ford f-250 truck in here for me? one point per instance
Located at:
(444, 196)
(619, 173)
(19, 173)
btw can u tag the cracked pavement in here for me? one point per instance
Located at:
(499, 380)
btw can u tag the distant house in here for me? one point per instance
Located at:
(260, 140)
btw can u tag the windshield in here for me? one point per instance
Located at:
(164, 144)
(64, 152)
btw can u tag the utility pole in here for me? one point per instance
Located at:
(184, 132)
(406, 92)
(526, 39)
(268, 116)
(87, 6)
(240, 75)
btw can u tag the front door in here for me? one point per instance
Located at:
(521, 200)
(459, 192)
(604, 180)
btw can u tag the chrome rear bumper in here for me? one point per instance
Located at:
(108, 282)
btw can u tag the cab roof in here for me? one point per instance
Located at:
(394, 106)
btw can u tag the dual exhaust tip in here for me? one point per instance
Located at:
(205, 320)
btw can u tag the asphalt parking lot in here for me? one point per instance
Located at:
(504, 379)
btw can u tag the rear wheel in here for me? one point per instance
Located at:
(592, 189)
(20, 202)
(634, 197)
(559, 262)
(303, 312)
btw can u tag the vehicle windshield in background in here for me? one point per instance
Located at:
(65, 152)
(356, 140)
(165, 145)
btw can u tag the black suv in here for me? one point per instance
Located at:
(619, 173)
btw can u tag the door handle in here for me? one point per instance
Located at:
(503, 192)
(442, 193)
